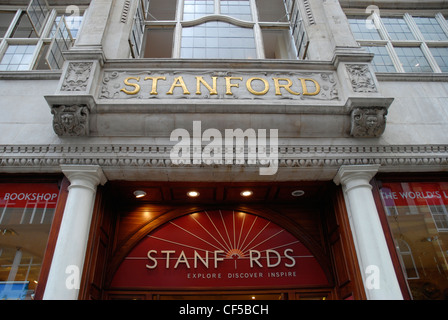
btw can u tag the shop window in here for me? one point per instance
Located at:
(26, 215)
(418, 220)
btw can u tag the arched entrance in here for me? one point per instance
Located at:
(219, 250)
(274, 246)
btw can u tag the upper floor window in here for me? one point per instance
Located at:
(405, 43)
(218, 29)
(35, 37)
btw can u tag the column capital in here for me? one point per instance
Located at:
(356, 175)
(84, 176)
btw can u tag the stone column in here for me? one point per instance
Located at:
(68, 259)
(380, 280)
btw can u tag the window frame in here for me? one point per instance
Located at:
(178, 24)
(42, 39)
(390, 43)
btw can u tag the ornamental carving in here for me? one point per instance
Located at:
(368, 122)
(71, 120)
(77, 76)
(361, 78)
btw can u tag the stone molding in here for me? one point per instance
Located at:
(49, 158)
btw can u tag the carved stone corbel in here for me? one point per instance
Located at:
(71, 120)
(368, 122)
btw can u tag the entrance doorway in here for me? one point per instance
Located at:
(285, 241)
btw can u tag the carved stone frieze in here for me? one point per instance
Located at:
(361, 78)
(368, 122)
(71, 120)
(77, 76)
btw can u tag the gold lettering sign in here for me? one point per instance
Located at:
(132, 88)
(220, 85)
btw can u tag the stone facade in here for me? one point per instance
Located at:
(104, 110)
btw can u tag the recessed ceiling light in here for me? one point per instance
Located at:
(193, 194)
(297, 193)
(139, 193)
(246, 193)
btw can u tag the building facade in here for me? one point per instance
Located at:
(226, 149)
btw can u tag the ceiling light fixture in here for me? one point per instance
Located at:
(297, 193)
(139, 194)
(246, 193)
(192, 194)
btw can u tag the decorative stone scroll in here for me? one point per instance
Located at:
(71, 120)
(368, 122)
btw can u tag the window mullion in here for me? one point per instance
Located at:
(180, 10)
(443, 23)
(259, 45)
(36, 53)
(394, 57)
(49, 24)
(413, 26)
(380, 26)
(217, 4)
(177, 40)
(259, 41)
(432, 62)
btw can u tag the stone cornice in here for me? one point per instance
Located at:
(117, 160)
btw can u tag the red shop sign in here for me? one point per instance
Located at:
(24, 195)
(414, 194)
(219, 249)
